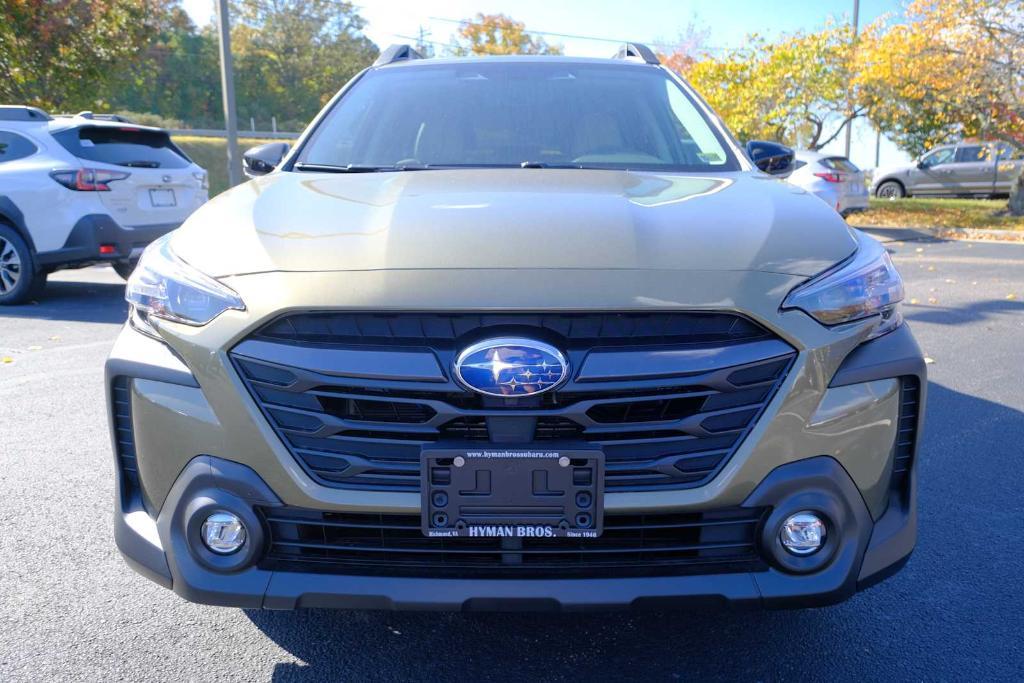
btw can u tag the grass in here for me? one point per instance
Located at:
(989, 214)
(212, 154)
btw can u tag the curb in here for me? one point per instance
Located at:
(918, 233)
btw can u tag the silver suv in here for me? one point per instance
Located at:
(967, 169)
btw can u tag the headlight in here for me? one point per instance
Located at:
(164, 286)
(864, 285)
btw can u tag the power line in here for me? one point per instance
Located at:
(574, 36)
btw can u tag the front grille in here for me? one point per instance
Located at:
(906, 435)
(656, 433)
(631, 545)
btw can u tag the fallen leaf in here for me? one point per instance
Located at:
(913, 301)
(928, 361)
(1011, 296)
(950, 282)
(931, 267)
(932, 300)
(975, 282)
(7, 359)
(34, 348)
(55, 337)
(919, 250)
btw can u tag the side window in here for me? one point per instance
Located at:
(943, 155)
(13, 147)
(971, 153)
(1007, 152)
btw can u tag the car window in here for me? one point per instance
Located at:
(507, 113)
(1007, 151)
(969, 153)
(840, 164)
(943, 155)
(123, 147)
(14, 146)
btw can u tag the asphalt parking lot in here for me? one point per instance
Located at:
(70, 609)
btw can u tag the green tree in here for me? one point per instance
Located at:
(60, 54)
(291, 56)
(498, 34)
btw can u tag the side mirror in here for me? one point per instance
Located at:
(263, 159)
(920, 164)
(771, 157)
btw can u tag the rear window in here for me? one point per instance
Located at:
(123, 147)
(13, 146)
(840, 164)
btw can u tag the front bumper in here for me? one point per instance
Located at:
(848, 478)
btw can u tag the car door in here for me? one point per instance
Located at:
(1009, 164)
(973, 170)
(928, 177)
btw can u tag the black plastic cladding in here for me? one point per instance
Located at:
(667, 434)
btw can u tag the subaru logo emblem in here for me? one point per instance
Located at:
(167, 178)
(511, 367)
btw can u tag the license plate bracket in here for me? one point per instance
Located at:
(512, 493)
(162, 198)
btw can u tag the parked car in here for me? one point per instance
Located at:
(515, 332)
(81, 190)
(833, 179)
(966, 169)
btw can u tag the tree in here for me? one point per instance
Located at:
(498, 34)
(58, 54)
(953, 69)
(291, 56)
(796, 90)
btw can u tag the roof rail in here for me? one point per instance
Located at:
(397, 53)
(637, 51)
(17, 112)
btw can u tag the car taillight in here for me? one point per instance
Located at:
(204, 180)
(88, 179)
(830, 177)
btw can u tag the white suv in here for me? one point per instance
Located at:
(80, 190)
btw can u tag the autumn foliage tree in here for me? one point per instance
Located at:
(951, 69)
(498, 34)
(56, 54)
(796, 90)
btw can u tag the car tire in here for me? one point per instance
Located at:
(890, 189)
(125, 268)
(19, 281)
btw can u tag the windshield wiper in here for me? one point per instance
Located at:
(356, 168)
(546, 164)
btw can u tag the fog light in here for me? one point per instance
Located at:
(223, 533)
(803, 533)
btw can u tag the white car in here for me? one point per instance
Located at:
(833, 179)
(81, 190)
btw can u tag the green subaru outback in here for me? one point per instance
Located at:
(516, 333)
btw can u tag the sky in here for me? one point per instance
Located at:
(606, 23)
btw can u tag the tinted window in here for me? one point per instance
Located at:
(123, 147)
(943, 155)
(13, 146)
(1007, 151)
(507, 113)
(840, 164)
(970, 153)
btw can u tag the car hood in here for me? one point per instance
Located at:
(513, 219)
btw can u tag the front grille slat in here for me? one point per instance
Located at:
(383, 544)
(674, 432)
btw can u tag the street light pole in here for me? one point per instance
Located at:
(849, 124)
(227, 83)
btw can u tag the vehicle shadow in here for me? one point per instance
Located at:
(953, 600)
(975, 311)
(72, 300)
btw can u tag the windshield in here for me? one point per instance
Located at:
(545, 114)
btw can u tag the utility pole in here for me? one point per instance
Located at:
(878, 147)
(227, 85)
(849, 124)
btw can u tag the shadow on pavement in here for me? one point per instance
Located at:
(955, 599)
(975, 311)
(93, 302)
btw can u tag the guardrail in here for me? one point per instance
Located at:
(211, 133)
